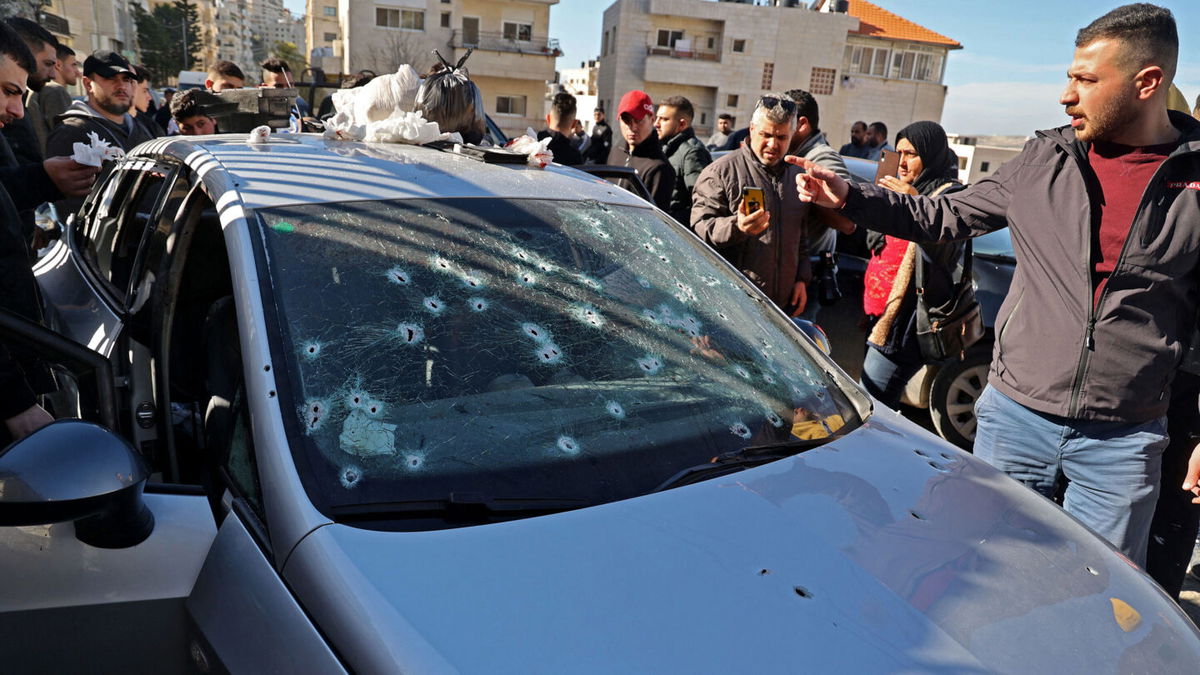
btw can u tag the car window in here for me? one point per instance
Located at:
(523, 349)
(120, 223)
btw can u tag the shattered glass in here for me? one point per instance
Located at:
(523, 349)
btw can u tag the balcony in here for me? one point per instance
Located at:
(498, 56)
(497, 42)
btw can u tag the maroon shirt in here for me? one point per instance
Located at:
(1123, 172)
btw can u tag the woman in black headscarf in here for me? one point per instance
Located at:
(927, 167)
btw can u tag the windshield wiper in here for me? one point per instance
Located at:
(740, 460)
(457, 506)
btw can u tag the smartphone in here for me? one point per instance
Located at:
(752, 199)
(889, 164)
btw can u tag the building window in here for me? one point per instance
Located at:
(739, 46)
(510, 105)
(768, 76)
(445, 19)
(984, 166)
(821, 81)
(712, 43)
(668, 38)
(604, 44)
(521, 32)
(408, 19)
(731, 100)
(962, 163)
(330, 37)
(329, 11)
(703, 118)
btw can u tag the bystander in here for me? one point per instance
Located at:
(559, 129)
(188, 111)
(724, 126)
(765, 241)
(223, 75)
(857, 147)
(640, 148)
(684, 151)
(877, 141)
(601, 144)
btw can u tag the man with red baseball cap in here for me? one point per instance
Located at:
(639, 147)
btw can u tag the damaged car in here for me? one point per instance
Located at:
(347, 407)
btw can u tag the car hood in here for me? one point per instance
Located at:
(883, 551)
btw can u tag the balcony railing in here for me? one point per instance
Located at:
(693, 54)
(497, 42)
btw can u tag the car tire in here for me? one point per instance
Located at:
(953, 394)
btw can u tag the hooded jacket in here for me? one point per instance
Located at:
(651, 165)
(778, 257)
(74, 126)
(1056, 351)
(688, 157)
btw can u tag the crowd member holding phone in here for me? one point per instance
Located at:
(928, 167)
(746, 207)
(1103, 305)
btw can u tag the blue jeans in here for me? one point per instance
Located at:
(1111, 469)
(884, 376)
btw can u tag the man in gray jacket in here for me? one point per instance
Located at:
(768, 243)
(684, 151)
(1103, 304)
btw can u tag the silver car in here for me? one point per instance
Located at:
(399, 409)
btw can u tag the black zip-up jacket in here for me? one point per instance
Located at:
(1055, 351)
(651, 165)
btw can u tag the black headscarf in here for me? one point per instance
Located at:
(940, 163)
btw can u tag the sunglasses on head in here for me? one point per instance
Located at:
(773, 102)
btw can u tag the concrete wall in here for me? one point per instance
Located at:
(973, 157)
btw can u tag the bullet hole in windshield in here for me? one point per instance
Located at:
(590, 282)
(522, 255)
(546, 267)
(740, 430)
(768, 378)
(412, 461)
(356, 400)
(478, 304)
(311, 350)
(741, 372)
(472, 281)
(314, 413)
(568, 445)
(399, 276)
(650, 315)
(538, 333)
(526, 278)
(648, 247)
(549, 353)
(650, 364)
(588, 315)
(350, 476)
(410, 333)
(615, 410)
(774, 419)
(441, 264)
(433, 305)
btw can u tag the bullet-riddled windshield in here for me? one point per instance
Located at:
(522, 350)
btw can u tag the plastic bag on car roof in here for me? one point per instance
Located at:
(451, 99)
(386, 95)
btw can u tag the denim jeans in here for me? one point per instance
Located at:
(1111, 469)
(884, 376)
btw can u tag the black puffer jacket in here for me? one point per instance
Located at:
(1055, 351)
(652, 167)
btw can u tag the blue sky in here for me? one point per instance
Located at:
(1005, 80)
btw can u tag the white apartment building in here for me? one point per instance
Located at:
(88, 25)
(860, 61)
(272, 23)
(979, 157)
(512, 62)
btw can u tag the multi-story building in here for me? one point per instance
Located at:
(88, 25)
(272, 23)
(226, 35)
(513, 55)
(859, 60)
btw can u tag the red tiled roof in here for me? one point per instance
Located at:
(875, 21)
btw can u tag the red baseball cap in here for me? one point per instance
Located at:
(635, 103)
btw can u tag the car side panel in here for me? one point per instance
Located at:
(248, 618)
(67, 606)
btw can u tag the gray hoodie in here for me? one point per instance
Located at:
(1056, 351)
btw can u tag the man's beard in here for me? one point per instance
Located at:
(35, 83)
(1108, 121)
(113, 107)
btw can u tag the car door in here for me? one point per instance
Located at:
(70, 606)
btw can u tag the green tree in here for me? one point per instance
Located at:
(161, 34)
(290, 53)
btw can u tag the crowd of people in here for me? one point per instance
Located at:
(1100, 317)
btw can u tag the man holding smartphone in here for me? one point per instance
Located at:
(745, 206)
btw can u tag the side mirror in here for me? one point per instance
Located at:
(73, 470)
(814, 333)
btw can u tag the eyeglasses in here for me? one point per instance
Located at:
(769, 102)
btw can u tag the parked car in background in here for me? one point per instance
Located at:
(948, 389)
(375, 408)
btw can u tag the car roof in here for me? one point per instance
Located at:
(291, 169)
